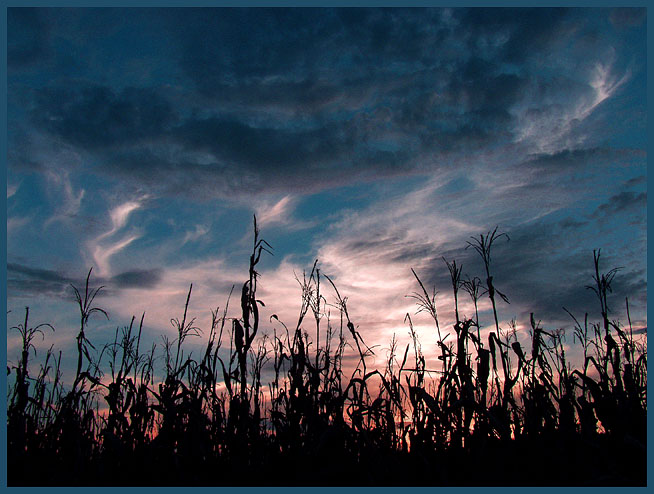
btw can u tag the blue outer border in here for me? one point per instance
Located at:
(650, 148)
(317, 3)
(3, 265)
(275, 3)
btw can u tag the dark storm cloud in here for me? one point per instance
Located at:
(269, 40)
(231, 141)
(134, 136)
(539, 269)
(568, 159)
(527, 32)
(139, 122)
(20, 155)
(552, 172)
(164, 173)
(95, 117)
(628, 17)
(34, 281)
(539, 274)
(230, 45)
(26, 280)
(636, 181)
(311, 98)
(302, 96)
(572, 224)
(385, 57)
(625, 201)
(42, 274)
(138, 278)
(478, 88)
(27, 37)
(290, 154)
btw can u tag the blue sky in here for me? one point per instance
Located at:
(142, 141)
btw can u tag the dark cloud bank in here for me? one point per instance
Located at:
(302, 99)
(24, 280)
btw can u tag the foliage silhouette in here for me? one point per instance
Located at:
(495, 414)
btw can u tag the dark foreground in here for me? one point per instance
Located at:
(600, 461)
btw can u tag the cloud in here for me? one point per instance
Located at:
(515, 33)
(16, 222)
(543, 267)
(28, 280)
(72, 201)
(11, 190)
(96, 117)
(636, 181)
(119, 216)
(32, 151)
(193, 235)
(605, 83)
(275, 213)
(554, 122)
(279, 214)
(42, 274)
(25, 280)
(566, 160)
(102, 254)
(622, 202)
(628, 17)
(138, 278)
(161, 293)
(28, 37)
(546, 264)
(304, 100)
(254, 147)
(102, 250)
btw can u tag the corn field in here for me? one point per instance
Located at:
(302, 404)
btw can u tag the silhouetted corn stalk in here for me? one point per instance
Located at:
(483, 246)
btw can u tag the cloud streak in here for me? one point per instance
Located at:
(100, 249)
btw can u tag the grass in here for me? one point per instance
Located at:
(494, 413)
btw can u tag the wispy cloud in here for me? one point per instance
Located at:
(605, 83)
(100, 249)
(196, 234)
(72, 200)
(275, 213)
(16, 222)
(11, 189)
(119, 216)
(102, 253)
(279, 213)
(548, 127)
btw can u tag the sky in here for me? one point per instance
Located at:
(141, 142)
